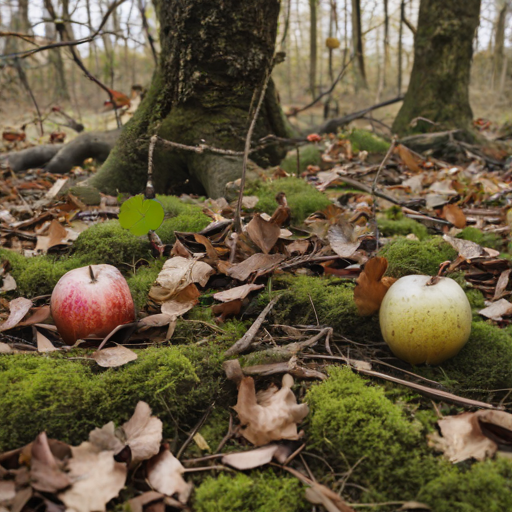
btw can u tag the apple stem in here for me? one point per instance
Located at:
(91, 273)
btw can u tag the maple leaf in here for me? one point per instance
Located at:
(372, 286)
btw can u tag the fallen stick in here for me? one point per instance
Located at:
(246, 340)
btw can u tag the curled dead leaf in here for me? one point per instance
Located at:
(263, 233)
(239, 292)
(372, 286)
(453, 214)
(113, 357)
(18, 309)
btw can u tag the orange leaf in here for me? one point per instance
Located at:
(408, 158)
(372, 286)
(453, 214)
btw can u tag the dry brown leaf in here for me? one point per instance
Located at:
(38, 316)
(96, 477)
(298, 246)
(472, 435)
(249, 202)
(137, 504)
(263, 233)
(227, 310)
(466, 248)
(9, 283)
(178, 249)
(270, 415)
(341, 239)
(45, 473)
(452, 213)
(256, 262)
(43, 343)
(372, 286)
(239, 292)
(158, 320)
(502, 284)
(409, 159)
(18, 309)
(497, 310)
(113, 357)
(142, 433)
(182, 302)
(319, 494)
(7, 490)
(250, 459)
(178, 273)
(5, 349)
(165, 472)
(210, 250)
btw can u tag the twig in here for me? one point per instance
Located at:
(24, 81)
(238, 211)
(195, 430)
(245, 341)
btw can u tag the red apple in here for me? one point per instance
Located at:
(91, 300)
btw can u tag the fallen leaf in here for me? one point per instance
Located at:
(210, 250)
(408, 158)
(164, 473)
(159, 320)
(250, 459)
(466, 248)
(372, 286)
(340, 238)
(137, 504)
(497, 310)
(96, 477)
(269, 415)
(502, 284)
(319, 494)
(7, 490)
(9, 283)
(472, 435)
(239, 292)
(5, 349)
(249, 202)
(263, 233)
(45, 473)
(182, 302)
(201, 442)
(178, 273)
(256, 262)
(38, 316)
(453, 214)
(18, 309)
(114, 356)
(227, 310)
(43, 343)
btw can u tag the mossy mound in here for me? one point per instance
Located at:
(261, 491)
(183, 217)
(406, 257)
(364, 140)
(333, 301)
(483, 364)
(108, 242)
(68, 398)
(303, 199)
(481, 238)
(140, 283)
(355, 426)
(309, 154)
(485, 486)
(402, 227)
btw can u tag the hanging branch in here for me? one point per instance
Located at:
(238, 211)
(145, 26)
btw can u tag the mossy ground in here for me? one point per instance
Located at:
(482, 238)
(309, 154)
(364, 140)
(303, 199)
(402, 227)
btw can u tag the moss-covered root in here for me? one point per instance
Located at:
(484, 364)
(303, 199)
(305, 298)
(260, 491)
(67, 398)
(406, 257)
(354, 426)
(364, 140)
(486, 486)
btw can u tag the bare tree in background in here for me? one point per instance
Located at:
(357, 45)
(312, 46)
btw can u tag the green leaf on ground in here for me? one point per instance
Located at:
(141, 215)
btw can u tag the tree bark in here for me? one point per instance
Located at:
(439, 83)
(499, 45)
(214, 56)
(357, 43)
(312, 47)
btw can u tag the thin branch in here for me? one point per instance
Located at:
(24, 81)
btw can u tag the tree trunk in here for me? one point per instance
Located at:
(214, 56)
(499, 45)
(312, 47)
(357, 43)
(439, 83)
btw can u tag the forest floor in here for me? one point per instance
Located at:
(255, 375)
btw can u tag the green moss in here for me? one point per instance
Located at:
(88, 195)
(353, 425)
(481, 238)
(407, 257)
(140, 283)
(261, 491)
(303, 199)
(402, 227)
(476, 298)
(108, 242)
(363, 140)
(332, 300)
(485, 486)
(184, 217)
(69, 398)
(309, 154)
(485, 362)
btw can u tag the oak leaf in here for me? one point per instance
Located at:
(372, 286)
